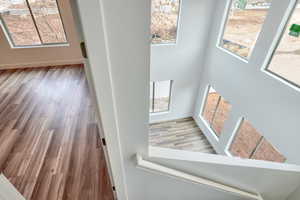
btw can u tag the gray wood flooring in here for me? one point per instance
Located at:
(182, 134)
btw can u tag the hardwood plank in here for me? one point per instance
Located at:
(183, 134)
(49, 137)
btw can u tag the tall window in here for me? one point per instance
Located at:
(164, 20)
(160, 95)
(286, 58)
(244, 22)
(249, 143)
(216, 111)
(32, 22)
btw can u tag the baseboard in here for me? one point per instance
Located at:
(164, 117)
(41, 64)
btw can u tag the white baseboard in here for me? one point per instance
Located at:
(165, 116)
(41, 64)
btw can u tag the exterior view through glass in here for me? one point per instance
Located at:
(164, 21)
(286, 59)
(244, 23)
(32, 22)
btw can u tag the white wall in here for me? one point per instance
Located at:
(182, 62)
(275, 184)
(36, 57)
(120, 74)
(270, 105)
(295, 195)
(117, 33)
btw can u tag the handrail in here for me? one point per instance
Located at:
(148, 165)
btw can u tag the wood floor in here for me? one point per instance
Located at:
(182, 134)
(49, 143)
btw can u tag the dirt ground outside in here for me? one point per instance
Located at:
(286, 60)
(241, 33)
(248, 142)
(242, 30)
(164, 19)
(21, 27)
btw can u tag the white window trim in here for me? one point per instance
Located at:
(42, 45)
(170, 99)
(177, 32)
(233, 136)
(276, 42)
(207, 124)
(221, 34)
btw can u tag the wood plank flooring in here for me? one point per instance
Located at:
(182, 134)
(49, 138)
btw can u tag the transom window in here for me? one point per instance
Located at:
(32, 22)
(160, 95)
(216, 111)
(249, 143)
(244, 22)
(285, 62)
(164, 21)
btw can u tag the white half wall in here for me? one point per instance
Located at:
(272, 184)
(182, 62)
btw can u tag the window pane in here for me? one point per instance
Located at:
(210, 105)
(216, 111)
(47, 17)
(245, 20)
(249, 143)
(162, 96)
(286, 59)
(266, 151)
(221, 115)
(245, 141)
(164, 18)
(19, 23)
(151, 97)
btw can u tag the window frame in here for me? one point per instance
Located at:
(276, 42)
(262, 138)
(177, 31)
(222, 31)
(42, 45)
(208, 124)
(153, 98)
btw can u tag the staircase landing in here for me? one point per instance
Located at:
(182, 134)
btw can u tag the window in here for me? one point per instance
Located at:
(32, 22)
(216, 111)
(164, 20)
(286, 59)
(160, 93)
(249, 143)
(244, 22)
